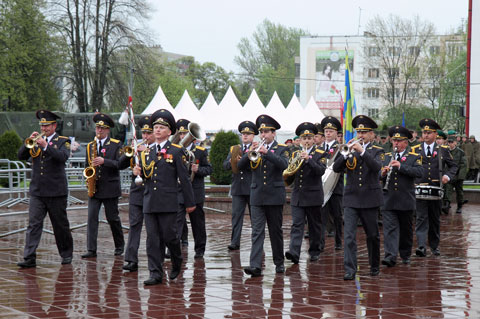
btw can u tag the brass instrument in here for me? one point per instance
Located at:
(394, 155)
(254, 155)
(294, 163)
(195, 132)
(31, 142)
(90, 173)
(236, 152)
(346, 149)
(130, 151)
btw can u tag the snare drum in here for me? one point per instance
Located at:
(428, 192)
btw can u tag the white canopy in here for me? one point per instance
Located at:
(158, 102)
(186, 109)
(313, 112)
(276, 110)
(253, 107)
(231, 112)
(295, 114)
(209, 111)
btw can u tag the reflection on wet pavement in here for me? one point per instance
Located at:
(447, 286)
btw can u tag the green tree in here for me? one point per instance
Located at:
(268, 59)
(209, 77)
(10, 143)
(27, 57)
(93, 31)
(218, 153)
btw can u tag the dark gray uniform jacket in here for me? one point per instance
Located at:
(48, 168)
(307, 187)
(267, 186)
(401, 186)
(431, 165)
(242, 181)
(363, 188)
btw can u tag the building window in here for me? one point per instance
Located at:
(373, 93)
(412, 92)
(393, 73)
(433, 93)
(434, 71)
(434, 50)
(297, 89)
(372, 113)
(394, 51)
(373, 73)
(414, 51)
(297, 70)
(372, 51)
(414, 71)
(390, 91)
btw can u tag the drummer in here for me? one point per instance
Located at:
(439, 169)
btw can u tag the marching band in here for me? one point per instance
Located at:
(341, 183)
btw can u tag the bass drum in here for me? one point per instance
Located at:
(428, 192)
(329, 180)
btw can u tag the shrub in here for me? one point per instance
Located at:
(10, 143)
(218, 153)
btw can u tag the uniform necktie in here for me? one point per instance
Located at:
(268, 147)
(244, 148)
(158, 148)
(326, 148)
(100, 146)
(398, 157)
(429, 153)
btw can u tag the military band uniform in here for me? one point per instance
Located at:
(240, 188)
(162, 166)
(456, 183)
(135, 206)
(400, 202)
(197, 217)
(108, 190)
(361, 200)
(307, 200)
(48, 193)
(267, 197)
(435, 165)
(332, 210)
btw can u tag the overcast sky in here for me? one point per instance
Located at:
(209, 30)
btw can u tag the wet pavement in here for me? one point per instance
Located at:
(447, 286)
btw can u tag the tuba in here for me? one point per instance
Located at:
(195, 132)
(90, 173)
(294, 164)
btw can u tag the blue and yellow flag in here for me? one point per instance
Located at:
(349, 106)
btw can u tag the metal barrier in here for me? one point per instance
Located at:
(18, 181)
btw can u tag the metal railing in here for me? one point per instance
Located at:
(18, 177)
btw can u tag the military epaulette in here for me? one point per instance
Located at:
(415, 146)
(176, 145)
(375, 146)
(389, 153)
(200, 148)
(444, 146)
(114, 141)
(64, 137)
(319, 151)
(284, 145)
(413, 153)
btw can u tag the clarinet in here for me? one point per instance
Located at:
(387, 181)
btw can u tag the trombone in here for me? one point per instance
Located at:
(130, 151)
(31, 142)
(254, 155)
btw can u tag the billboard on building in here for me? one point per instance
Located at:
(330, 77)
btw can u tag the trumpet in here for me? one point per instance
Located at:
(129, 151)
(346, 149)
(254, 155)
(31, 142)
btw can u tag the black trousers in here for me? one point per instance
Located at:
(135, 219)
(162, 232)
(397, 234)
(197, 221)
(111, 213)
(428, 222)
(56, 207)
(332, 210)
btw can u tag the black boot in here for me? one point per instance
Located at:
(446, 207)
(459, 209)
